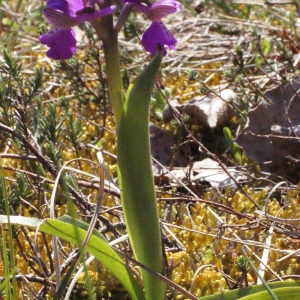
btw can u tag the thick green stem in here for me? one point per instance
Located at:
(115, 84)
(104, 28)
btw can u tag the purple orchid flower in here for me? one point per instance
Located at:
(64, 14)
(158, 33)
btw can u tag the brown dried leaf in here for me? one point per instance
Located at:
(162, 141)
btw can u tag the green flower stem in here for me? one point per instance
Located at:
(115, 84)
(104, 28)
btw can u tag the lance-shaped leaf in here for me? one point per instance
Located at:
(97, 246)
(254, 292)
(286, 293)
(136, 179)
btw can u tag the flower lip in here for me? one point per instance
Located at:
(58, 49)
(158, 33)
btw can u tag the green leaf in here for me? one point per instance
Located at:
(228, 136)
(97, 246)
(287, 293)
(136, 179)
(234, 149)
(237, 154)
(253, 292)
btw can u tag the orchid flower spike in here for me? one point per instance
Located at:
(63, 15)
(157, 33)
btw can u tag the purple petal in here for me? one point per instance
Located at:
(143, 8)
(158, 33)
(173, 3)
(59, 19)
(68, 7)
(138, 4)
(62, 20)
(162, 9)
(62, 43)
(90, 3)
(132, 1)
(75, 6)
(95, 15)
(61, 5)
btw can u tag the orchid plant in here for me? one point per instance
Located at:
(131, 111)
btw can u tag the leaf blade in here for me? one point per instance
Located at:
(97, 246)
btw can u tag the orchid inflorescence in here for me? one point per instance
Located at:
(65, 14)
